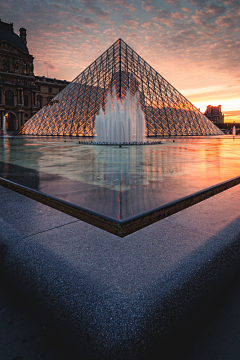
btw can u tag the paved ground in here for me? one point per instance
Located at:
(217, 333)
(23, 336)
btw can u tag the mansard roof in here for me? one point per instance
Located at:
(7, 34)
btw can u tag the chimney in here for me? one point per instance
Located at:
(23, 35)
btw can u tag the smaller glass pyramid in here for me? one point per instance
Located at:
(72, 112)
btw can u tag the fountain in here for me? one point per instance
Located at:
(234, 130)
(123, 121)
(4, 126)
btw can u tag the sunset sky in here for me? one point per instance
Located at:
(193, 44)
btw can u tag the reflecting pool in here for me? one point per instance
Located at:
(119, 183)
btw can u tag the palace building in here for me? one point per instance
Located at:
(214, 113)
(22, 93)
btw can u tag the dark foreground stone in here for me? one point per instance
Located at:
(112, 298)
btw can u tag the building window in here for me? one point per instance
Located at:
(38, 88)
(19, 97)
(33, 98)
(39, 102)
(25, 83)
(25, 100)
(6, 64)
(24, 68)
(9, 98)
(50, 90)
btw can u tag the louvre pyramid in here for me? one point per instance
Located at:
(72, 111)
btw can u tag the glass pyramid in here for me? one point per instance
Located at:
(73, 110)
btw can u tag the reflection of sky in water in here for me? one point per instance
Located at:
(120, 182)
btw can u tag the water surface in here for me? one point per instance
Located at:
(119, 182)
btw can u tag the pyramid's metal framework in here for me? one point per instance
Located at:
(72, 111)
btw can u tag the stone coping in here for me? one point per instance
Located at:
(119, 298)
(121, 228)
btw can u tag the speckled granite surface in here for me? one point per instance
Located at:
(112, 298)
(23, 334)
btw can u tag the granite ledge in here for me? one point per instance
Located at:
(120, 299)
(112, 298)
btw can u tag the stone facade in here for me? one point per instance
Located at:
(214, 114)
(22, 93)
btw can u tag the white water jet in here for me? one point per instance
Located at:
(123, 121)
(4, 126)
(234, 131)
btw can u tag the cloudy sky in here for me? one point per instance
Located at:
(194, 44)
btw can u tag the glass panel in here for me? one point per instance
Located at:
(167, 112)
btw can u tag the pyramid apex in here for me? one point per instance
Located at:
(120, 40)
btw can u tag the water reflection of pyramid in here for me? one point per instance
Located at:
(73, 110)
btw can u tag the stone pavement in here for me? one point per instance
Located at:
(26, 334)
(216, 335)
(23, 335)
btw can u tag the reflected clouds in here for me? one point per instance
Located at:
(119, 183)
